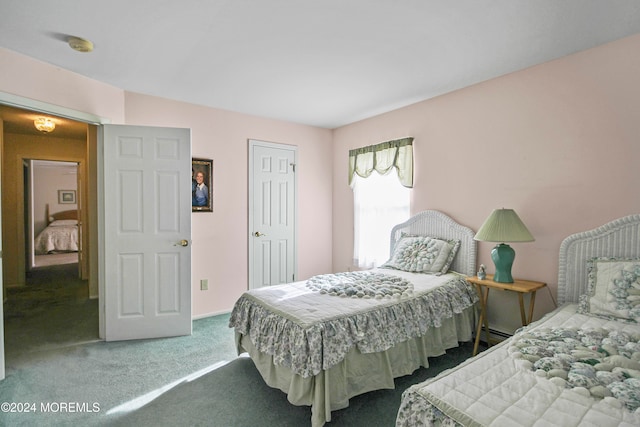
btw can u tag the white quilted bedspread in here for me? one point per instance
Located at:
(308, 331)
(304, 306)
(57, 238)
(496, 389)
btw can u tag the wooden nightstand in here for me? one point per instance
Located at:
(520, 286)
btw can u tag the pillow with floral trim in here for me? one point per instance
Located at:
(423, 254)
(613, 290)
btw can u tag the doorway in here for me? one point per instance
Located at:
(51, 214)
(50, 304)
(71, 141)
(272, 213)
(94, 210)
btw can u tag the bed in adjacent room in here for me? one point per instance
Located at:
(332, 337)
(60, 234)
(577, 366)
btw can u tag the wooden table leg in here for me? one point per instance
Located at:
(531, 303)
(486, 319)
(484, 297)
(522, 315)
(478, 331)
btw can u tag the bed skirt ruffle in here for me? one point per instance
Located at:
(358, 373)
(309, 349)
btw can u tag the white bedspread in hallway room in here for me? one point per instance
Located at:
(309, 331)
(60, 235)
(499, 388)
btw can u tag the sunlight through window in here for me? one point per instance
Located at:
(139, 402)
(380, 202)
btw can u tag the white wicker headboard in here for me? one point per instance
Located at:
(436, 224)
(618, 238)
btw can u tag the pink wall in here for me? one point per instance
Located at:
(220, 246)
(219, 238)
(28, 78)
(557, 142)
(564, 134)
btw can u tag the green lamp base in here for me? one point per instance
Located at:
(503, 256)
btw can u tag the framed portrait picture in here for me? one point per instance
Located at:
(66, 196)
(201, 185)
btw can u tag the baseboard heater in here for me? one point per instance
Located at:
(494, 335)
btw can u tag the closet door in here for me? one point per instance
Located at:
(272, 214)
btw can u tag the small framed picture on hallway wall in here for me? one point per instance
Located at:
(201, 185)
(66, 196)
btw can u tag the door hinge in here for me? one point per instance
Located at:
(293, 277)
(293, 165)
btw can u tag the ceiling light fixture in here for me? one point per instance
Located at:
(79, 44)
(44, 124)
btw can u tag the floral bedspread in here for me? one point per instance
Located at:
(595, 362)
(360, 284)
(567, 369)
(309, 331)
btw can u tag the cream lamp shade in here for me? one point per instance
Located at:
(503, 225)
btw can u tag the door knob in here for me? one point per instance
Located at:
(258, 234)
(183, 242)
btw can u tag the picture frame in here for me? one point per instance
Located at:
(67, 196)
(201, 197)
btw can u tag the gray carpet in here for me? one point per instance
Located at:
(54, 358)
(245, 400)
(55, 259)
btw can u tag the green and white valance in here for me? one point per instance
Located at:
(382, 157)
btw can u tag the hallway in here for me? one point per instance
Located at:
(51, 311)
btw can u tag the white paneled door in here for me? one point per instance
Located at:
(272, 214)
(147, 232)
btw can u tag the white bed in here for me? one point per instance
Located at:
(322, 349)
(60, 235)
(577, 366)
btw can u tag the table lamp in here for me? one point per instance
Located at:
(503, 225)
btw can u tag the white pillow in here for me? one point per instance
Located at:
(613, 290)
(423, 254)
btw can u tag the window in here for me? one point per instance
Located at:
(380, 202)
(381, 177)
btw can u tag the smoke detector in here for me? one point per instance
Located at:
(79, 44)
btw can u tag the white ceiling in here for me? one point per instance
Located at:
(319, 62)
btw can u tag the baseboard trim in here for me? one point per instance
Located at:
(500, 334)
(495, 336)
(204, 316)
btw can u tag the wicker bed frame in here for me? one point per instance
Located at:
(437, 224)
(618, 238)
(491, 375)
(332, 388)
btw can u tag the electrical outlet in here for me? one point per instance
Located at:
(204, 284)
